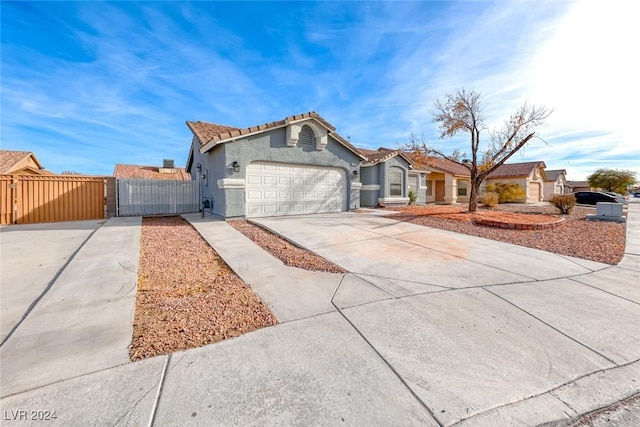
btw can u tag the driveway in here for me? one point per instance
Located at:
(427, 328)
(472, 325)
(32, 256)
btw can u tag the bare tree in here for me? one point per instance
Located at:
(461, 112)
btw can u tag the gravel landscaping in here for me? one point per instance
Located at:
(286, 252)
(187, 296)
(593, 240)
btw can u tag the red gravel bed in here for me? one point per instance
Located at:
(282, 249)
(599, 241)
(187, 295)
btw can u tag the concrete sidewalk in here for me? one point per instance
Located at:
(84, 323)
(475, 336)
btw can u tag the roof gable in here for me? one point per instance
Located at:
(373, 157)
(11, 161)
(210, 134)
(553, 175)
(512, 170)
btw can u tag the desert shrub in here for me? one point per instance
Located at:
(507, 192)
(564, 203)
(412, 197)
(489, 198)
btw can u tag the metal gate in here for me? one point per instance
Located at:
(141, 197)
(26, 199)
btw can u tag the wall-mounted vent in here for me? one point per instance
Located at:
(168, 163)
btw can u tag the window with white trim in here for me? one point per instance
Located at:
(395, 181)
(462, 187)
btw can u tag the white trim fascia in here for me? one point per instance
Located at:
(370, 187)
(393, 200)
(227, 183)
(356, 186)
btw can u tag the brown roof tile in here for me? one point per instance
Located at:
(149, 172)
(382, 154)
(511, 170)
(210, 132)
(552, 175)
(440, 164)
(9, 158)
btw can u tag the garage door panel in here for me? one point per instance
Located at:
(282, 189)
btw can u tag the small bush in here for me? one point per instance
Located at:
(564, 203)
(507, 192)
(412, 197)
(489, 199)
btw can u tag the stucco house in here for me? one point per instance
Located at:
(555, 183)
(167, 171)
(20, 163)
(448, 181)
(387, 177)
(575, 186)
(296, 165)
(530, 176)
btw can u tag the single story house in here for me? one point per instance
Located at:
(448, 182)
(20, 163)
(555, 183)
(575, 186)
(530, 176)
(167, 171)
(388, 176)
(296, 165)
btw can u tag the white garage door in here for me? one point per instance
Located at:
(285, 189)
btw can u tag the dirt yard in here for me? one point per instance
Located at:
(187, 295)
(593, 240)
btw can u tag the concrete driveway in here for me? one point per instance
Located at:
(472, 325)
(32, 256)
(427, 328)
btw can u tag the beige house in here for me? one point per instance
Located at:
(574, 186)
(447, 181)
(555, 183)
(20, 163)
(530, 176)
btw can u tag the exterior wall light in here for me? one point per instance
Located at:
(198, 168)
(355, 172)
(236, 166)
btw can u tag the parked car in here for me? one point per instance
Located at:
(618, 195)
(593, 197)
(636, 194)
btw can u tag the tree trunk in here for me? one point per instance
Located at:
(473, 197)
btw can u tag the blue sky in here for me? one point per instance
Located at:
(86, 85)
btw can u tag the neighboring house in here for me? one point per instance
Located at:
(167, 171)
(297, 165)
(20, 163)
(530, 176)
(387, 177)
(555, 183)
(448, 182)
(574, 186)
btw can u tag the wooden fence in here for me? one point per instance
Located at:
(50, 198)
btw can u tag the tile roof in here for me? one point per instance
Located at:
(382, 154)
(552, 175)
(510, 170)
(149, 172)
(209, 132)
(440, 164)
(9, 158)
